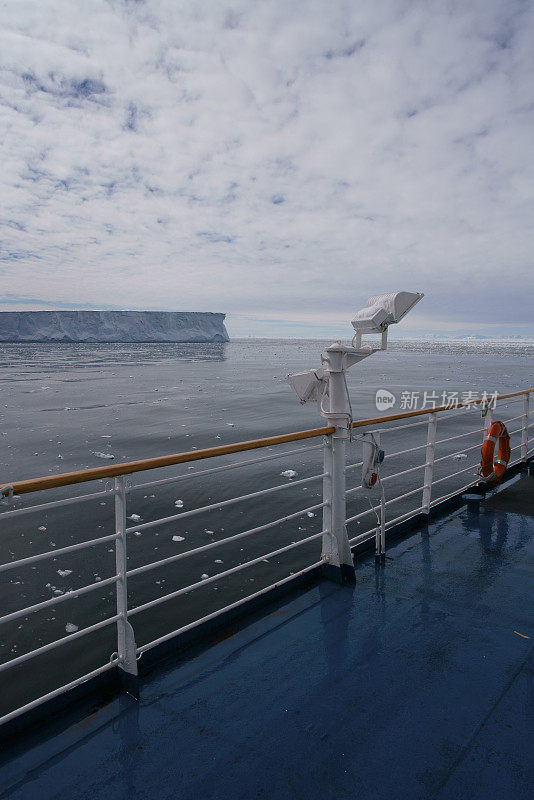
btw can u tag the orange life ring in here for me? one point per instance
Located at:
(492, 469)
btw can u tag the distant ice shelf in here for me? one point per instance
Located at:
(112, 326)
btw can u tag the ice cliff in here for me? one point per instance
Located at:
(112, 326)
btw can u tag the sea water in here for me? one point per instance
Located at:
(67, 407)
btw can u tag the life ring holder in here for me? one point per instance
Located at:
(491, 468)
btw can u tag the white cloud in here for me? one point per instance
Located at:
(276, 160)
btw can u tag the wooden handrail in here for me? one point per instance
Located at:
(129, 467)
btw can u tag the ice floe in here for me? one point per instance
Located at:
(288, 473)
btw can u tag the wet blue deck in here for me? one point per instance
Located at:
(414, 684)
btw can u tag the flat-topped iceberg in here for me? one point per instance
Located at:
(112, 326)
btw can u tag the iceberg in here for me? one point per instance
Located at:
(112, 326)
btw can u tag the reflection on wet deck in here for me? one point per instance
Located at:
(415, 683)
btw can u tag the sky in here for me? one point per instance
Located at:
(276, 160)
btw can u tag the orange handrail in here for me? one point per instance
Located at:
(129, 467)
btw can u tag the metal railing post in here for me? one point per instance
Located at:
(488, 420)
(126, 646)
(524, 429)
(339, 564)
(429, 461)
(329, 548)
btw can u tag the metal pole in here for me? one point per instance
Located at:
(126, 647)
(339, 565)
(329, 544)
(382, 511)
(429, 460)
(382, 524)
(488, 422)
(524, 429)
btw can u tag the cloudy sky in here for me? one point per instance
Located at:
(278, 160)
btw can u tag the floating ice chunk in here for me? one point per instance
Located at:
(310, 514)
(288, 473)
(135, 517)
(64, 572)
(58, 591)
(460, 456)
(231, 424)
(207, 531)
(218, 561)
(70, 627)
(106, 436)
(137, 533)
(179, 503)
(103, 455)
(41, 528)
(204, 576)
(178, 539)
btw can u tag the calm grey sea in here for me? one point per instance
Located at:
(67, 407)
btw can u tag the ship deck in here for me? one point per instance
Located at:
(415, 683)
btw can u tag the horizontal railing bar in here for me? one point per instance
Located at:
(514, 419)
(363, 537)
(220, 611)
(61, 690)
(22, 562)
(452, 417)
(226, 467)
(211, 545)
(519, 430)
(399, 427)
(457, 453)
(404, 516)
(404, 472)
(408, 414)
(460, 436)
(72, 594)
(354, 489)
(454, 474)
(403, 496)
(207, 581)
(361, 514)
(58, 642)
(67, 501)
(518, 400)
(452, 494)
(129, 467)
(403, 452)
(213, 506)
(353, 466)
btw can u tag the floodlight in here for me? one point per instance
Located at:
(309, 385)
(384, 309)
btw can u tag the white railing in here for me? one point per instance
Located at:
(391, 490)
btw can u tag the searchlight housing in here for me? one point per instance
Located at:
(380, 311)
